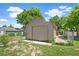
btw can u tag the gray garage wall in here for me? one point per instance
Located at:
(30, 28)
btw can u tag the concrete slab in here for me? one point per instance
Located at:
(37, 42)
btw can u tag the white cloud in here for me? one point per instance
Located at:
(54, 12)
(65, 8)
(62, 7)
(3, 20)
(47, 18)
(69, 8)
(17, 25)
(60, 11)
(13, 11)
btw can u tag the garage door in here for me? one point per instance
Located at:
(40, 33)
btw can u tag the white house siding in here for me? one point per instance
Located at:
(2, 32)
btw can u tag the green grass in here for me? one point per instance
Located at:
(60, 50)
(57, 50)
(21, 48)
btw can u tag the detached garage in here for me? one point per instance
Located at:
(39, 30)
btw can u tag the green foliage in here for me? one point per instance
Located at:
(61, 31)
(28, 15)
(11, 34)
(4, 26)
(73, 18)
(60, 43)
(54, 50)
(4, 39)
(10, 26)
(62, 22)
(58, 23)
(18, 33)
(65, 44)
(54, 20)
(70, 42)
(58, 50)
(4, 52)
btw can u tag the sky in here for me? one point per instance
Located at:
(8, 11)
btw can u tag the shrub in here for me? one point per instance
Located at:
(11, 34)
(4, 39)
(19, 33)
(61, 31)
(60, 43)
(53, 42)
(70, 42)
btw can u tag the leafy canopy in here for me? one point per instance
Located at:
(4, 26)
(28, 15)
(10, 26)
(73, 18)
(54, 20)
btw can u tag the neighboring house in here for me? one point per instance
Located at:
(39, 30)
(10, 30)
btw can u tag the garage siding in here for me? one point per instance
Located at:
(39, 30)
(40, 33)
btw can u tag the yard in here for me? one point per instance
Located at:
(17, 47)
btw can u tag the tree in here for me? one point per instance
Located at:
(61, 23)
(73, 19)
(4, 26)
(28, 15)
(10, 26)
(55, 21)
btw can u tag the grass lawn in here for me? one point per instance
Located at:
(59, 50)
(16, 47)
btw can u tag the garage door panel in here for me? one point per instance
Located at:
(40, 33)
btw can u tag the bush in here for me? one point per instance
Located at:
(53, 42)
(61, 31)
(11, 34)
(4, 40)
(70, 42)
(60, 43)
